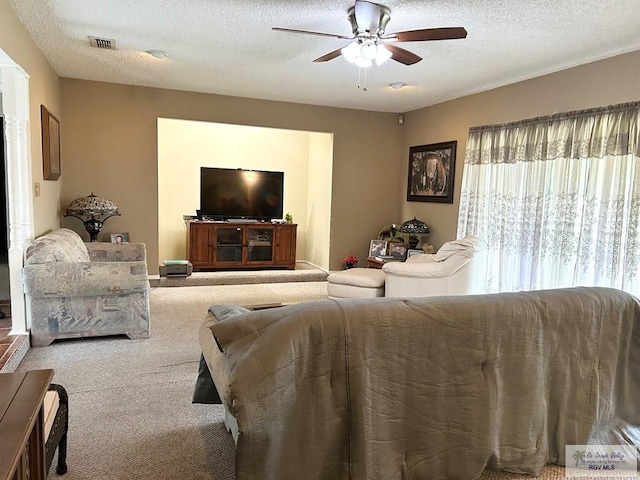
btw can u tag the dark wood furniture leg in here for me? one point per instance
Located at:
(58, 435)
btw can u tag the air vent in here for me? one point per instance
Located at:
(106, 43)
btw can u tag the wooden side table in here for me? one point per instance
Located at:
(22, 455)
(373, 262)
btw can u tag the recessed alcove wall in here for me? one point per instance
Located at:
(305, 158)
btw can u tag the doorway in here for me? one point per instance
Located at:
(304, 157)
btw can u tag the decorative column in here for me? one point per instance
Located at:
(14, 85)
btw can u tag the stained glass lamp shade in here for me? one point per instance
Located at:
(414, 227)
(93, 211)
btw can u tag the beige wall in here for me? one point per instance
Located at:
(44, 88)
(110, 147)
(185, 146)
(318, 213)
(606, 82)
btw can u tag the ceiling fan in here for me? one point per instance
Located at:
(370, 43)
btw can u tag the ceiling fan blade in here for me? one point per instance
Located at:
(401, 55)
(367, 16)
(329, 56)
(446, 33)
(308, 32)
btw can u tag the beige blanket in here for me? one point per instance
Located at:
(428, 388)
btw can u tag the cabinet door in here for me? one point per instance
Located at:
(260, 243)
(228, 245)
(286, 245)
(200, 242)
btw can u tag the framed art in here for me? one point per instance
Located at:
(121, 237)
(377, 247)
(431, 172)
(50, 144)
(398, 250)
(412, 252)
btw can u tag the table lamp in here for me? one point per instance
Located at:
(414, 227)
(93, 211)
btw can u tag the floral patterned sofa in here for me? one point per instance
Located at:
(77, 289)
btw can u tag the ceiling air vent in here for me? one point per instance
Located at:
(106, 43)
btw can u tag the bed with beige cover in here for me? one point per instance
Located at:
(426, 388)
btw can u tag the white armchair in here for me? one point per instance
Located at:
(450, 271)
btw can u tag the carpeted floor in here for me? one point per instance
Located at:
(304, 272)
(131, 416)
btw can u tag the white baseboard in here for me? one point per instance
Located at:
(313, 265)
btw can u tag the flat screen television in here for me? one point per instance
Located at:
(227, 193)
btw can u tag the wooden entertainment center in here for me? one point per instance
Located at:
(221, 245)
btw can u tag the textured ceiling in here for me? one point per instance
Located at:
(228, 47)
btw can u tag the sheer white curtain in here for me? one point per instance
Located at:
(557, 199)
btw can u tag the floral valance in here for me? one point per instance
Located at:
(593, 133)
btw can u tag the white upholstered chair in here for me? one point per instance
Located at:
(451, 271)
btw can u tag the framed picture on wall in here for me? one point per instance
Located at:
(431, 172)
(50, 144)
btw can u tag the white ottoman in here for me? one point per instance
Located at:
(356, 283)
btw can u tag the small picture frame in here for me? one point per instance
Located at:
(411, 252)
(120, 237)
(377, 247)
(398, 250)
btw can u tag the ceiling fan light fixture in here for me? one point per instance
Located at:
(363, 62)
(382, 55)
(351, 52)
(364, 52)
(369, 50)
